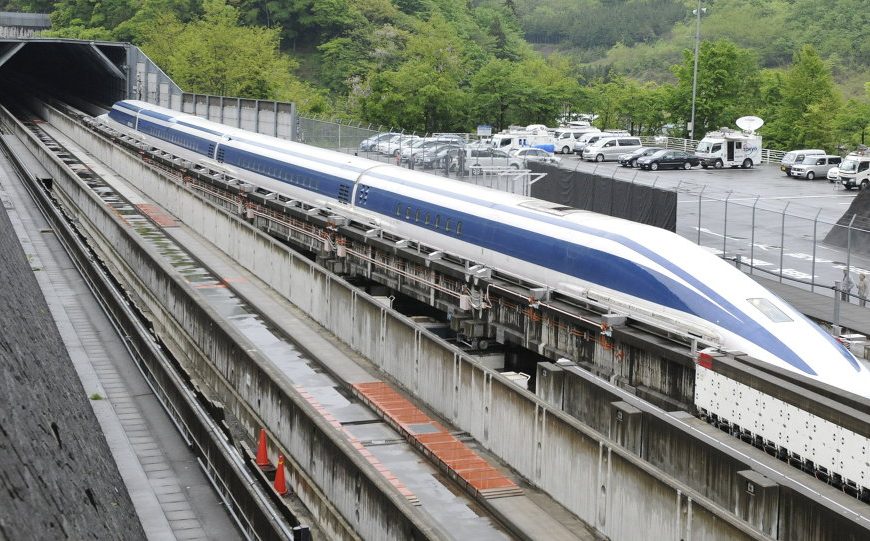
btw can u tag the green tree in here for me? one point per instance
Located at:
(853, 122)
(531, 91)
(425, 92)
(728, 84)
(803, 116)
(214, 55)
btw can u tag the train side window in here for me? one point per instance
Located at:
(437, 221)
(428, 218)
(408, 213)
(458, 228)
(398, 209)
(448, 224)
(417, 216)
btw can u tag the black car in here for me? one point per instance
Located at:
(668, 159)
(630, 159)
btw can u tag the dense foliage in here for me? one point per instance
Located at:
(448, 65)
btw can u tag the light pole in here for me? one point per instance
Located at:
(695, 71)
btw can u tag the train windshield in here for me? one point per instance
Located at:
(772, 312)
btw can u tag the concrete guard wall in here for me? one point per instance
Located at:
(604, 484)
(275, 118)
(346, 495)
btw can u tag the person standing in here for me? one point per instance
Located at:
(846, 286)
(862, 289)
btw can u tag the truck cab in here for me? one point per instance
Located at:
(855, 171)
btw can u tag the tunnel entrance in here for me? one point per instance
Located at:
(86, 74)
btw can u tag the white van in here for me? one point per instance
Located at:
(609, 148)
(797, 156)
(590, 138)
(566, 138)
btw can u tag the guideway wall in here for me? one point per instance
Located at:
(343, 491)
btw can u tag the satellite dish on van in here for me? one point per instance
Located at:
(749, 123)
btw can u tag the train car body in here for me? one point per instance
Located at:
(639, 270)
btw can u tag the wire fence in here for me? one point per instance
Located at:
(772, 237)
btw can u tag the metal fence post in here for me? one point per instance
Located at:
(813, 271)
(752, 238)
(700, 196)
(782, 241)
(849, 246)
(836, 317)
(725, 225)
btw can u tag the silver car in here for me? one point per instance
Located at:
(815, 166)
(522, 156)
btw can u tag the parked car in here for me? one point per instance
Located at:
(629, 159)
(410, 150)
(591, 138)
(668, 159)
(833, 174)
(797, 156)
(456, 138)
(521, 156)
(431, 155)
(478, 158)
(814, 166)
(609, 148)
(369, 144)
(389, 145)
(395, 145)
(566, 138)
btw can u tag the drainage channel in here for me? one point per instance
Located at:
(416, 478)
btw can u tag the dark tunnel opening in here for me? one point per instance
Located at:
(75, 72)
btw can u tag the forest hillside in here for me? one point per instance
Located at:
(448, 65)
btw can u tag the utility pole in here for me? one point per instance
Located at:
(695, 71)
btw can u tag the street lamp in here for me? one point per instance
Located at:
(697, 13)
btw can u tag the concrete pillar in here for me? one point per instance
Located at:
(550, 382)
(758, 501)
(626, 426)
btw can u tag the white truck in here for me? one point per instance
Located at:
(855, 171)
(535, 136)
(732, 148)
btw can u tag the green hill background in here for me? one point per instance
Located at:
(448, 65)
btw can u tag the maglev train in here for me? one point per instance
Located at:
(638, 270)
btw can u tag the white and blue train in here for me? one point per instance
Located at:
(637, 269)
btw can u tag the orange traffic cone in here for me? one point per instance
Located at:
(280, 483)
(262, 455)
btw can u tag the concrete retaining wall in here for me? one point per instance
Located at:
(57, 479)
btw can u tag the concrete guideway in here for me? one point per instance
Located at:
(486, 400)
(172, 497)
(218, 289)
(248, 250)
